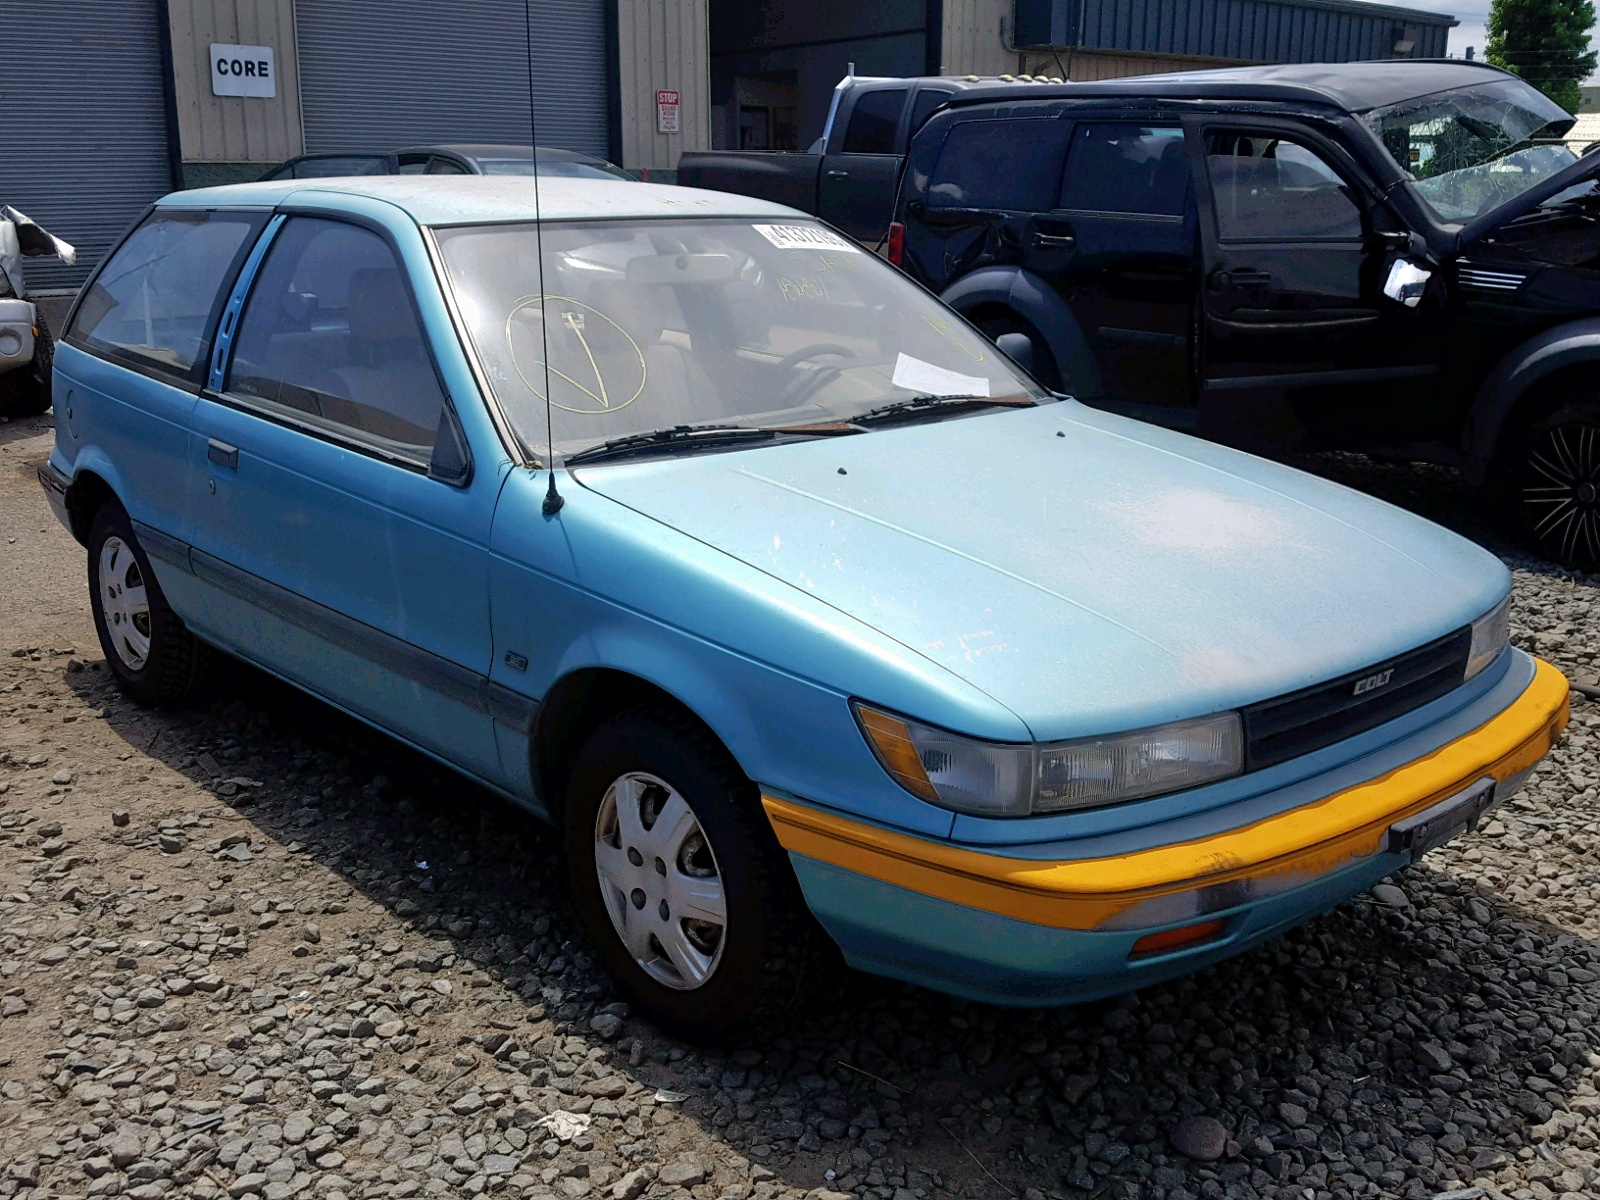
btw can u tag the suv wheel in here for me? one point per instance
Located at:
(1554, 479)
(679, 880)
(152, 655)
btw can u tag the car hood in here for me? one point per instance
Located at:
(1088, 572)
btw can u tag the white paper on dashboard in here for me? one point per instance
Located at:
(926, 379)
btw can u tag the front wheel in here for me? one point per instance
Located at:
(152, 655)
(679, 880)
(1553, 485)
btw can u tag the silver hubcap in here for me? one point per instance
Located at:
(660, 881)
(124, 603)
(1562, 492)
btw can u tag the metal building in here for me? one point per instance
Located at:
(117, 102)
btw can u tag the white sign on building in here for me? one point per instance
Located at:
(666, 111)
(243, 71)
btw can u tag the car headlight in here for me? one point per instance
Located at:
(997, 779)
(1490, 633)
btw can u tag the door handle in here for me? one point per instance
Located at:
(1243, 277)
(223, 454)
(1055, 241)
(838, 174)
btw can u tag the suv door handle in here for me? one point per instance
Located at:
(1055, 241)
(1242, 277)
(838, 174)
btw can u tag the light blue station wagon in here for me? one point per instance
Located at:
(806, 615)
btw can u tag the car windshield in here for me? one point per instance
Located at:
(552, 167)
(652, 325)
(1472, 149)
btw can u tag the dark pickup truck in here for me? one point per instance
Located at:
(849, 177)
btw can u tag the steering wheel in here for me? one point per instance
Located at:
(801, 386)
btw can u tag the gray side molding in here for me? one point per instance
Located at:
(1034, 300)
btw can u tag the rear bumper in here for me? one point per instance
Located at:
(55, 485)
(1058, 930)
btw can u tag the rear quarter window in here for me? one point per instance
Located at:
(155, 304)
(1010, 164)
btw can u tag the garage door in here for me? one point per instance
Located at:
(429, 73)
(83, 123)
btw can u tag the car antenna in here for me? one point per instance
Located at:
(552, 499)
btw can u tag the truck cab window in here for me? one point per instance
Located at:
(873, 122)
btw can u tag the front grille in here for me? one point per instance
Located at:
(1289, 726)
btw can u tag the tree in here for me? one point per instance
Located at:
(1546, 42)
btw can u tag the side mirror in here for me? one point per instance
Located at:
(1406, 282)
(1018, 347)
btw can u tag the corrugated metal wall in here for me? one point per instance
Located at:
(1100, 64)
(83, 123)
(234, 128)
(973, 37)
(419, 73)
(1254, 30)
(663, 44)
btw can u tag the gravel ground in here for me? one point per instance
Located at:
(255, 950)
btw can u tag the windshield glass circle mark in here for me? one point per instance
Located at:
(610, 388)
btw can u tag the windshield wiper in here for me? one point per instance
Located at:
(930, 403)
(695, 436)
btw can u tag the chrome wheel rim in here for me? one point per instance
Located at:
(660, 881)
(1561, 494)
(124, 603)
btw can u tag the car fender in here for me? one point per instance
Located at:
(1567, 345)
(1031, 298)
(93, 460)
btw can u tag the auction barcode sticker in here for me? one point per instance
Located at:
(804, 237)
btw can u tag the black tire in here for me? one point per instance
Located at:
(25, 392)
(1045, 368)
(770, 951)
(174, 666)
(1549, 483)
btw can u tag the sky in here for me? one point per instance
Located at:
(1474, 17)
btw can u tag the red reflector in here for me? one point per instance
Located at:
(897, 243)
(1172, 939)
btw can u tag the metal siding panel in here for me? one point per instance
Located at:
(419, 76)
(83, 158)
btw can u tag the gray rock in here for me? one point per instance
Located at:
(682, 1173)
(1388, 894)
(1200, 1138)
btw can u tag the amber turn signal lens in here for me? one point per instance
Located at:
(1173, 939)
(892, 742)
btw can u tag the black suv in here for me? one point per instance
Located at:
(1402, 258)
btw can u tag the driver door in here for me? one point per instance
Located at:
(1295, 328)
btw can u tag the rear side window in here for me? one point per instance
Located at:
(922, 108)
(998, 164)
(155, 304)
(1126, 168)
(330, 335)
(873, 122)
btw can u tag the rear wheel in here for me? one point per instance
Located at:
(1551, 484)
(680, 881)
(25, 392)
(152, 655)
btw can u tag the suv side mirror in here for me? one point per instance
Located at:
(1018, 347)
